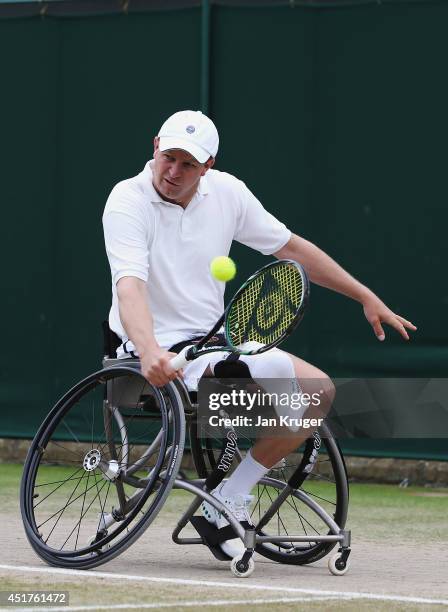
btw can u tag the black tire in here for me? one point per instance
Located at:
(327, 484)
(101, 466)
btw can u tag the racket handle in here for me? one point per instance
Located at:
(179, 361)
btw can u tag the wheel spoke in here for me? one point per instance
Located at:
(71, 501)
(81, 517)
(46, 484)
(58, 487)
(70, 431)
(82, 508)
(69, 450)
(328, 501)
(102, 506)
(61, 512)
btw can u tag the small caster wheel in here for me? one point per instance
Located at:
(101, 534)
(337, 566)
(240, 568)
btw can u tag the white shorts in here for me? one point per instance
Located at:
(194, 370)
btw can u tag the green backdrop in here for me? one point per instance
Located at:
(334, 116)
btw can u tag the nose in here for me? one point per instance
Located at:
(175, 169)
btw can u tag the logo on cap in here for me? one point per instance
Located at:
(190, 129)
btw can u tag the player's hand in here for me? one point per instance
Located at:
(376, 313)
(156, 367)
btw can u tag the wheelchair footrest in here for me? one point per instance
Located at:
(210, 534)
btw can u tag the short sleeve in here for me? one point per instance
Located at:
(257, 228)
(126, 235)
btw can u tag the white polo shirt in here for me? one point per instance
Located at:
(170, 248)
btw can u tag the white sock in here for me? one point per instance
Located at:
(244, 478)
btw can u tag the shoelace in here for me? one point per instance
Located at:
(240, 507)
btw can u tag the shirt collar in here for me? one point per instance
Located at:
(203, 187)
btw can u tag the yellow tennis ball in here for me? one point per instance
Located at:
(223, 268)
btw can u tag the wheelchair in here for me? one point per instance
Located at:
(109, 453)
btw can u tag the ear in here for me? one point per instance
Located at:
(208, 164)
(156, 144)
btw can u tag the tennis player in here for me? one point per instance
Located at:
(162, 228)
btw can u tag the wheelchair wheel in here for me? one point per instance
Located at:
(100, 467)
(327, 485)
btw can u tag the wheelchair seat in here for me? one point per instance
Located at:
(110, 344)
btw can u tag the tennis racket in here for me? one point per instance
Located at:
(262, 313)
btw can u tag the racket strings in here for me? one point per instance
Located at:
(267, 306)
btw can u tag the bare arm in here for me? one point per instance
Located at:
(137, 320)
(324, 271)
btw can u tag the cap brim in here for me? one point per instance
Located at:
(167, 142)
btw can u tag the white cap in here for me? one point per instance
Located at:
(190, 131)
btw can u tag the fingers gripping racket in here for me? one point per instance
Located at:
(262, 313)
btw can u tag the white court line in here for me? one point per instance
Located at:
(240, 583)
(176, 604)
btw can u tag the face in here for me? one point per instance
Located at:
(176, 174)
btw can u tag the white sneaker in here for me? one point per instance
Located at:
(239, 507)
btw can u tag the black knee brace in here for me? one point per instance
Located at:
(232, 367)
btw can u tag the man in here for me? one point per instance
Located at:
(162, 229)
